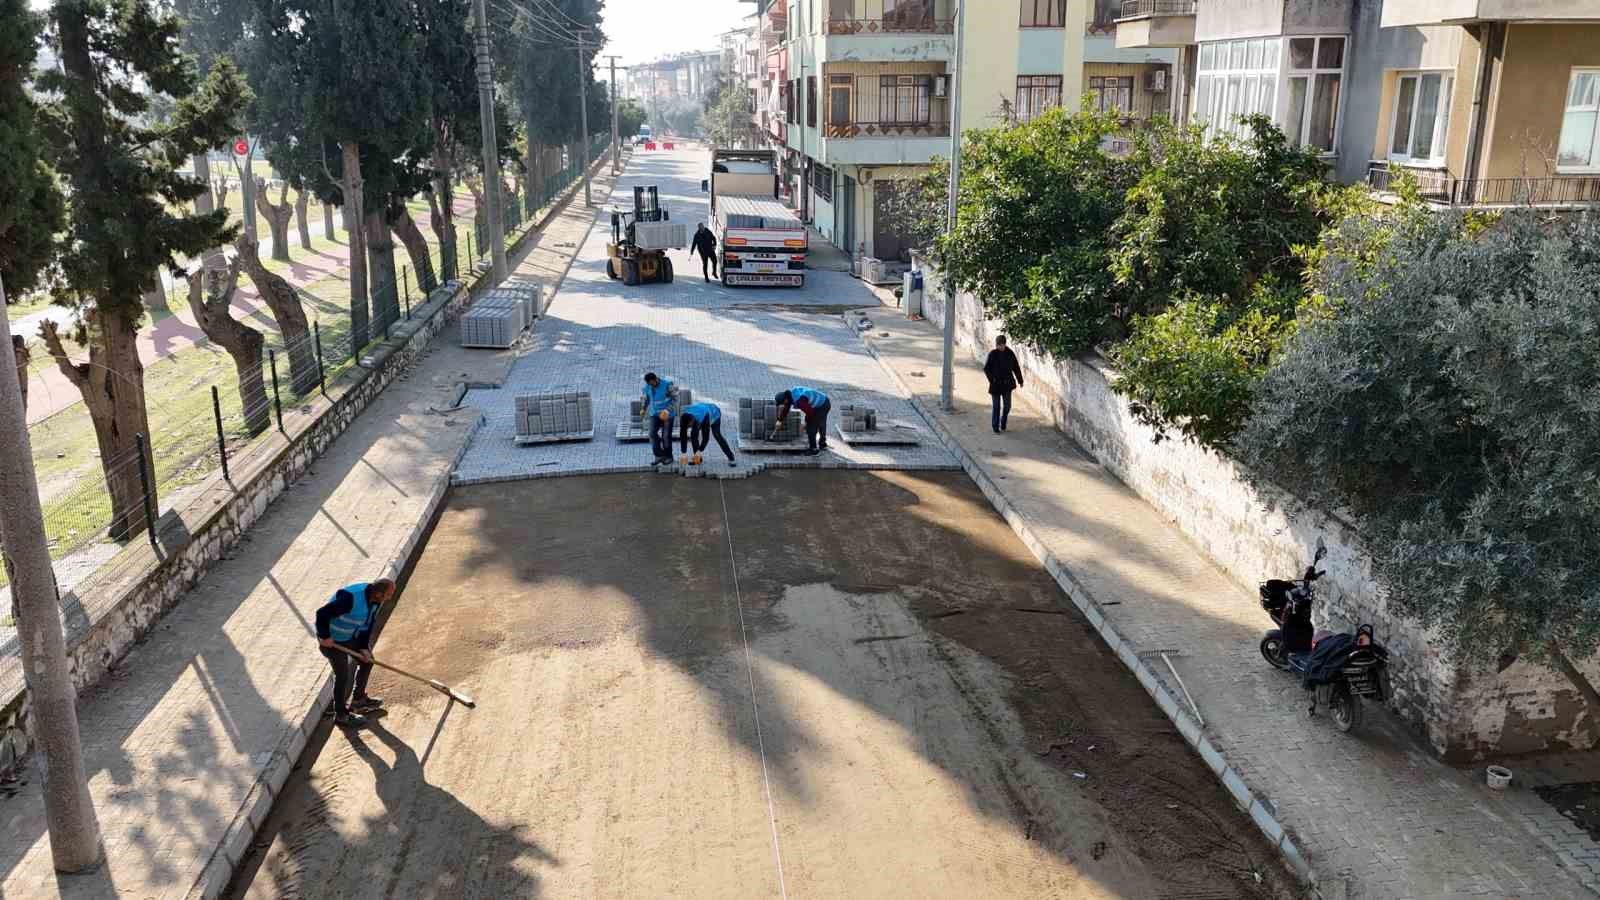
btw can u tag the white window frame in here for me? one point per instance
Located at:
(1232, 92)
(1594, 137)
(1441, 116)
(1310, 74)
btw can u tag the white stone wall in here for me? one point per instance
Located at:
(1256, 534)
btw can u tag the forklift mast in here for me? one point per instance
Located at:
(647, 205)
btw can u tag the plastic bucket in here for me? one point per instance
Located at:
(1498, 777)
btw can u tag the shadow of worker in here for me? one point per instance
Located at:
(434, 845)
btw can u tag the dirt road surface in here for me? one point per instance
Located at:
(804, 684)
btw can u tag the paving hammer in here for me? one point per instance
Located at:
(439, 686)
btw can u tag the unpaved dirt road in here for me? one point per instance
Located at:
(804, 684)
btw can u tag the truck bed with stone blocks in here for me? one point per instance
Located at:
(547, 418)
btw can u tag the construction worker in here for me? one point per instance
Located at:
(816, 406)
(658, 402)
(700, 423)
(705, 244)
(346, 622)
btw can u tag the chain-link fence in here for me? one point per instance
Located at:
(204, 411)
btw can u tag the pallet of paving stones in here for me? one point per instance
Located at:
(548, 418)
(637, 427)
(859, 425)
(494, 327)
(758, 419)
(511, 294)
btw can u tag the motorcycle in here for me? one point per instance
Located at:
(1347, 670)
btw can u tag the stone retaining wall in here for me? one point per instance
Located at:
(1252, 534)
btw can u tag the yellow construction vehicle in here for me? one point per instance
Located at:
(640, 240)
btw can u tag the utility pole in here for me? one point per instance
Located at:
(69, 813)
(584, 74)
(491, 146)
(947, 383)
(616, 146)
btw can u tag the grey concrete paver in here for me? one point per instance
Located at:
(1373, 812)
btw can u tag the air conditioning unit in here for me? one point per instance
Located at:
(941, 86)
(1155, 81)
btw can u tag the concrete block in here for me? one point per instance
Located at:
(1266, 822)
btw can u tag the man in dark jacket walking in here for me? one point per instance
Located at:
(705, 244)
(1005, 375)
(345, 622)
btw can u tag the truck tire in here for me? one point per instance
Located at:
(666, 270)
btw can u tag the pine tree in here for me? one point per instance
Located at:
(124, 207)
(33, 211)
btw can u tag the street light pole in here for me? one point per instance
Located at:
(69, 812)
(491, 146)
(584, 74)
(616, 143)
(947, 382)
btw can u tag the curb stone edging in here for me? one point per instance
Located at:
(1259, 813)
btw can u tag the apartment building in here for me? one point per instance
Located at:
(1484, 102)
(865, 90)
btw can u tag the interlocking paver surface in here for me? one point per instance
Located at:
(601, 336)
(1373, 808)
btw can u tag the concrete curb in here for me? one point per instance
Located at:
(1260, 812)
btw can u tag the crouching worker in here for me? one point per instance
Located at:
(346, 622)
(700, 423)
(815, 405)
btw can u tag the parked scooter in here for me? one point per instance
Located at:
(1339, 669)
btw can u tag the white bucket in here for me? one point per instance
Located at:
(1498, 777)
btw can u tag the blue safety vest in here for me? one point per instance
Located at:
(706, 413)
(807, 400)
(658, 398)
(344, 628)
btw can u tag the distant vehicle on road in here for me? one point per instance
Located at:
(644, 137)
(763, 242)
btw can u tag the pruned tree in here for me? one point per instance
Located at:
(287, 310)
(277, 216)
(405, 228)
(125, 202)
(211, 300)
(302, 200)
(20, 352)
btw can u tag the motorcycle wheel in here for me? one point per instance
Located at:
(1272, 649)
(1345, 708)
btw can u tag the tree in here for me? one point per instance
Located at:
(302, 201)
(210, 300)
(543, 75)
(211, 29)
(727, 122)
(277, 216)
(124, 205)
(630, 117)
(1445, 398)
(33, 213)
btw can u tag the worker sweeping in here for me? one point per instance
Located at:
(705, 244)
(700, 423)
(346, 621)
(815, 405)
(658, 409)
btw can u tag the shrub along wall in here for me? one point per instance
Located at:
(1464, 713)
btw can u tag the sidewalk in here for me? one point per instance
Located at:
(1373, 814)
(188, 740)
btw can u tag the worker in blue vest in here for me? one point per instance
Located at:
(700, 423)
(658, 400)
(815, 405)
(346, 621)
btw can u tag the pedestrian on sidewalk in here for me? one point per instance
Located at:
(700, 423)
(815, 405)
(658, 401)
(705, 244)
(346, 621)
(1005, 375)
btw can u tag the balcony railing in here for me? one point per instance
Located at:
(1446, 189)
(903, 17)
(1140, 9)
(887, 129)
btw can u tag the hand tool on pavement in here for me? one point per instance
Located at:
(439, 686)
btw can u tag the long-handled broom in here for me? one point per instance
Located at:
(439, 686)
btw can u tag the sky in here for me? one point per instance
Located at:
(642, 30)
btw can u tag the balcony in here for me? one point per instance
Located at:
(876, 119)
(1145, 24)
(848, 130)
(890, 30)
(1443, 189)
(1462, 12)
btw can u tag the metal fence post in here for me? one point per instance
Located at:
(405, 276)
(222, 440)
(471, 257)
(322, 381)
(272, 362)
(149, 501)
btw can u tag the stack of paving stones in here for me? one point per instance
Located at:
(853, 417)
(495, 327)
(757, 419)
(521, 295)
(637, 428)
(544, 418)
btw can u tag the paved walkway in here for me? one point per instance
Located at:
(187, 741)
(1372, 813)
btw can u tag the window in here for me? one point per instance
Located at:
(1421, 117)
(1296, 81)
(1035, 94)
(822, 182)
(1044, 13)
(1236, 79)
(1315, 72)
(811, 100)
(839, 91)
(910, 14)
(1579, 150)
(904, 99)
(1112, 94)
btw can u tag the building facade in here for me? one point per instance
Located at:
(1483, 102)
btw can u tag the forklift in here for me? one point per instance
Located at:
(640, 239)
